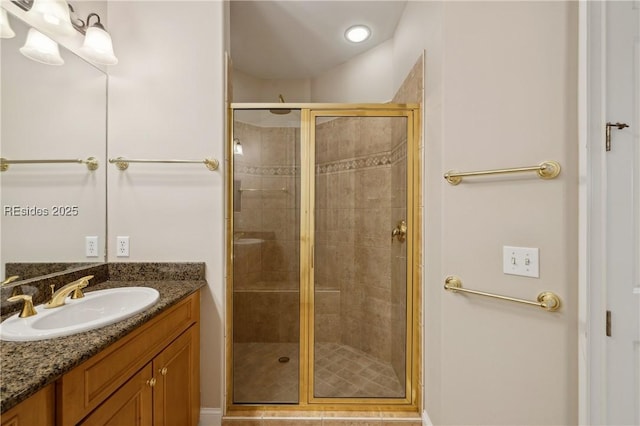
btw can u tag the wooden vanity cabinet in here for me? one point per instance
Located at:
(38, 409)
(176, 394)
(149, 377)
(130, 405)
(163, 393)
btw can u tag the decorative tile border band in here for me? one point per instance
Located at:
(376, 160)
(268, 170)
(382, 159)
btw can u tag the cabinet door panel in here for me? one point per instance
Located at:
(38, 410)
(177, 394)
(130, 405)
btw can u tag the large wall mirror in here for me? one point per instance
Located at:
(48, 209)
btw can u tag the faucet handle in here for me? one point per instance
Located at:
(82, 283)
(27, 307)
(10, 279)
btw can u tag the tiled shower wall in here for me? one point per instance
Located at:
(355, 157)
(361, 194)
(266, 274)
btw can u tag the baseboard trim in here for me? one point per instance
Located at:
(210, 417)
(426, 421)
(213, 417)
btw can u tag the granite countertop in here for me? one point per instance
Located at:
(26, 367)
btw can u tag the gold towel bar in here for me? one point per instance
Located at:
(91, 162)
(547, 300)
(262, 190)
(123, 163)
(546, 170)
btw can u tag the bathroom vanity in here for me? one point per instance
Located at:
(143, 370)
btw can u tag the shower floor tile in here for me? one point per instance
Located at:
(341, 372)
(345, 372)
(260, 378)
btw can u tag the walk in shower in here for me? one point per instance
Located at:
(322, 306)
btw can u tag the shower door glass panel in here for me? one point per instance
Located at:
(266, 246)
(360, 271)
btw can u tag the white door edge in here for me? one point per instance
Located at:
(592, 218)
(593, 237)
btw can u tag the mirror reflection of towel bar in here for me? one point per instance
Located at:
(262, 190)
(547, 300)
(91, 162)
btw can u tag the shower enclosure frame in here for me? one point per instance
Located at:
(411, 402)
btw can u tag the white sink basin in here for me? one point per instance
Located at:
(96, 309)
(247, 241)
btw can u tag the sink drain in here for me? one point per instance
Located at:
(283, 359)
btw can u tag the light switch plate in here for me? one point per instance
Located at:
(523, 261)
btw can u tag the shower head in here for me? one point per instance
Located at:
(280, 111)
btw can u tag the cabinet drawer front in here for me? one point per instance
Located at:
(86, 386)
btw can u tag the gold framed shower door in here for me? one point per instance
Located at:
(307, 401)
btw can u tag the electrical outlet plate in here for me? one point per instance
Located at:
(122, 247)
(91, 246)
(523, 261)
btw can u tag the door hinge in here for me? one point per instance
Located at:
(607, 142)
(608, 326)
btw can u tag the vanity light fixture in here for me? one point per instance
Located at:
(5, 28)
(97, 44)
(56, 16)
(237, 147)
(357, 33)
(52, 15)
(41, 48)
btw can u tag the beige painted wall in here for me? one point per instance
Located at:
(253, 89)
(506, 76)
(364, 78)
(499, 91)
(166, 100)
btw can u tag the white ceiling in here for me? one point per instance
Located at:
(302, 39)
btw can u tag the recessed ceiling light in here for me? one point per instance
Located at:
(357, 33)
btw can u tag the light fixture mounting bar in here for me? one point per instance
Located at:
(26, 6)
(23, 4)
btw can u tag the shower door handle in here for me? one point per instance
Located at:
(400, 231)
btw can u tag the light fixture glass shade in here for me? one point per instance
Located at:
(357, 33)
(52, 15)
(5, 27)
(237, 147)
(97, 46)
(41, 48)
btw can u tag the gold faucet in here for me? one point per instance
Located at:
(27, 308)
(17, 290)
(58, 298)
(10, 279)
